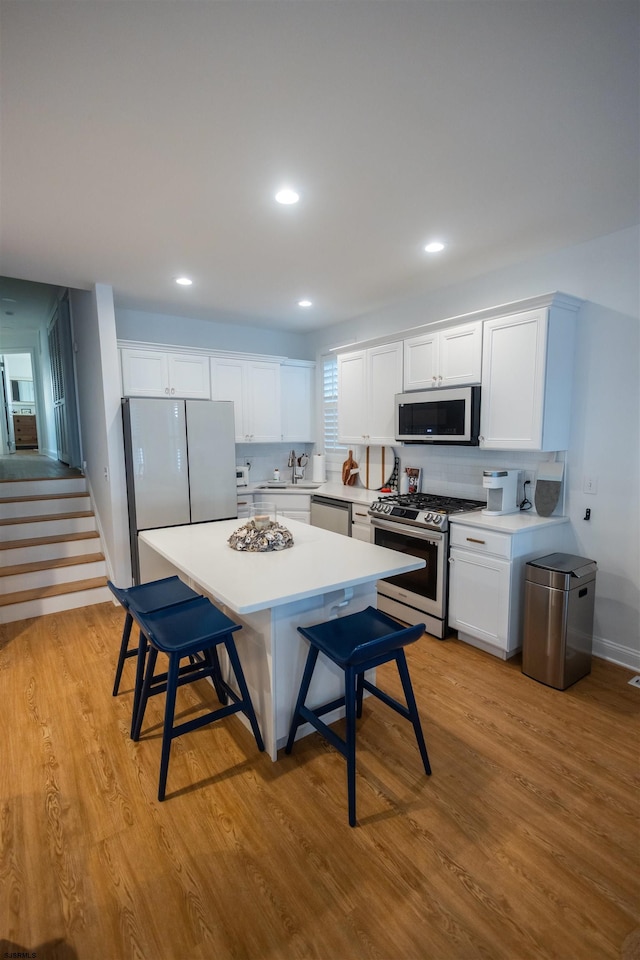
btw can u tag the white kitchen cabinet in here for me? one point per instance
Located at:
(297, 389)
(245, 502)
(361, 527)
(368, 381)
(446, 358)
(154, 373)
(254, 388)
(296, 506)
(487, 574)
(527, 373)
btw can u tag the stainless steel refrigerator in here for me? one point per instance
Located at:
(180, 464)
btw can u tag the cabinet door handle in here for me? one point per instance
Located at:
(474, 540)
(166, 389)
(360, 514)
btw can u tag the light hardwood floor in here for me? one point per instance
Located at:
(523, 843)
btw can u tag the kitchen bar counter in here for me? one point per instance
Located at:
(323, 575)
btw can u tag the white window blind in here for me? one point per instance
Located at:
(330, 405)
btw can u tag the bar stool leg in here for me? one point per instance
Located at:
(248, 710)
(169, 710)
(403, 670)
(350, 680)
(137, 690)
(144, 693)
(359, 694)
(296, 720)
(124, 649)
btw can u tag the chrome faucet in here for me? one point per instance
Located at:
(291, 462)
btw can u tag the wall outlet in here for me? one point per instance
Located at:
(635, 681)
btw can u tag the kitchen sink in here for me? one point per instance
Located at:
(302, 485)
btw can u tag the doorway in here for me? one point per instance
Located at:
(20, 413)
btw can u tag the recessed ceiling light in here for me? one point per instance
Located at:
(184, 281)
(434, 247)
(304, 303)
(287, 196)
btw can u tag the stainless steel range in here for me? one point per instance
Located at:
(418, 524)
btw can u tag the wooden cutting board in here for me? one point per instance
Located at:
(376, 467)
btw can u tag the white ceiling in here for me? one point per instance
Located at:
(141, 140)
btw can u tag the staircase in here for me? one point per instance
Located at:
(50, 551)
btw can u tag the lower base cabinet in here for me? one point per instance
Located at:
(486, 585)
(361, 527)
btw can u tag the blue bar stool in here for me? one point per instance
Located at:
(357, 643)
(140, 599)
(193, 629)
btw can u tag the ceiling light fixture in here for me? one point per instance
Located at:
(184, 281)
(434, 247)
(287, 196)
(304, 303)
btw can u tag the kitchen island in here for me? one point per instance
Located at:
(322, 576)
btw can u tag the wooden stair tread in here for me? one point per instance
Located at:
(40, 593)
(24, 568)
(43, 496)
(56, 538)
(50, 516)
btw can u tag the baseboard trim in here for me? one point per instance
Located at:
(616, 653)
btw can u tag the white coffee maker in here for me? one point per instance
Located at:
(502, 491)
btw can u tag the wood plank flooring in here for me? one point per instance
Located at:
(522, 844)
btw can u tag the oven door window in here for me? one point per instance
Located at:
(424, 582)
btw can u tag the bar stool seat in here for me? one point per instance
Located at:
(143, 598)
(193, 629)
(357, 643)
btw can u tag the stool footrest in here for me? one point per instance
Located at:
(206, 718)
(330, 735)
(390, 701)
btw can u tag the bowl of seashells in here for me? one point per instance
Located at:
(262, 532)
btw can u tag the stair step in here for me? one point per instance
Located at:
(20, 508)
(46, 526)
(48, 548)
(43, 496)
(44, 573)
(21, 569)
(54, 603)
(55, 590)
(7, 521)
(18, 488)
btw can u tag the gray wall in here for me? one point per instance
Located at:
(98, 379)
(210, 335)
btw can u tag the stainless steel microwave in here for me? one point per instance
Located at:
(450, 415)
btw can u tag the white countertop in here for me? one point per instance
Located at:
(336, 490)
(319, 562)
(508, 523)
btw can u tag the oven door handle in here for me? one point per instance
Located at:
(416, 533)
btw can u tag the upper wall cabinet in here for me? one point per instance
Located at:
(254, 387)
(368, 381)
(153, 373)
(297, 383)
(527, 373)
(447, 358)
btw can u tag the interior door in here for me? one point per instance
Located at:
(64, 385)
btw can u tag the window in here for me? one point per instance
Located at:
(330, 405)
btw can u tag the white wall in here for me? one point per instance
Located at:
(158, 328)
(605, 438)
(98, 377)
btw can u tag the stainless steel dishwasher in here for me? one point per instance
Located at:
(331, 514)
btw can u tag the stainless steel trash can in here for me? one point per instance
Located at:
(559, 594)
